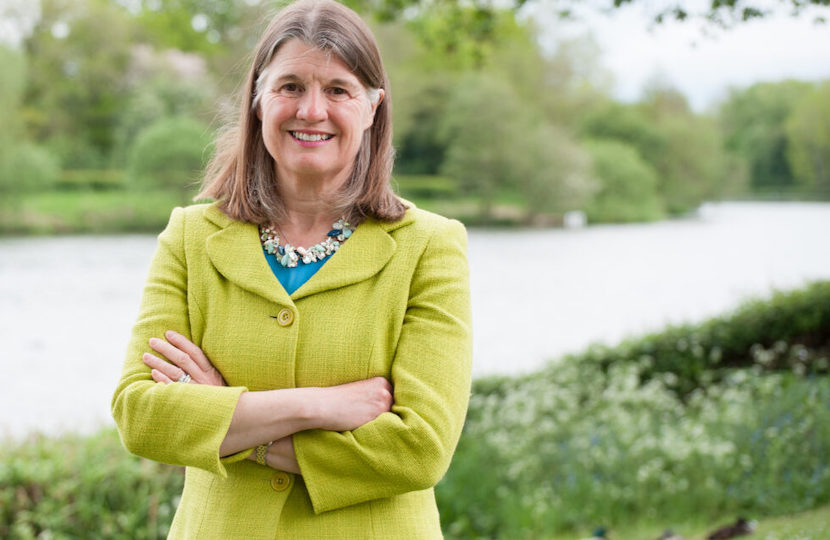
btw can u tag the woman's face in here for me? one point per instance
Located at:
(314, 112)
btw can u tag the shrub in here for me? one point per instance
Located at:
(27, 167)
(75, 487)
(168, 154)
(789, 331)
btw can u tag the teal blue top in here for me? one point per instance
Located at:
(293, 278)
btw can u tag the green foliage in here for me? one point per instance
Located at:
(580, 446)
(808, 132)
(628, 124)
(460, 37)
(481, 146)
(85, 211)
(412, 186)
(26, 167)
(553, 172)
(496, 141)
(628, 189)
(693, 165)
(168, 154)
(75, 487)
(684, 149)
(754, 124)
(619, 436)
(77, 83)
(12, 84)
(95, 179)
(789, 331)
(167, 85)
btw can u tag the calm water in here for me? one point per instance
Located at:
(67, 304)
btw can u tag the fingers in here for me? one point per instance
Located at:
(172, 353)
(158, 376)
(178, 355)
(384, 392)
(191, 349)
(162, 371)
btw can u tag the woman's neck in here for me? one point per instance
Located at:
(308, 214)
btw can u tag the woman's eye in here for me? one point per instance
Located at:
(338, 92)
(291, 88)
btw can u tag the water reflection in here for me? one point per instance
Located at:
(67, 304)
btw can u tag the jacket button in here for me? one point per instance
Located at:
(285, 317)
(280, 481)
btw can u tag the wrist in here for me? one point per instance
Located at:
(311, 410)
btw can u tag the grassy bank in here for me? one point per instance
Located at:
(90, 212)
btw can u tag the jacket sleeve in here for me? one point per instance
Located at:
(409, 448)
(180, 424)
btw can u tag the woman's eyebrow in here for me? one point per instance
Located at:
(286, 77)
(342, 82)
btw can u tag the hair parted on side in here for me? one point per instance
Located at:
(241, 174)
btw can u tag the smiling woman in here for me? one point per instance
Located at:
(318, 391)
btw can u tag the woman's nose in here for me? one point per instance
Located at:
(312, 106)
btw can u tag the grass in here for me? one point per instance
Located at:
(97, 212)
(810, 525)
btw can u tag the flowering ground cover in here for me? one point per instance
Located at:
(620, 439)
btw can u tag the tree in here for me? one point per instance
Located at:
(497, 143)
(79, 52)
(725, 13)
(24, 166)
(628, 185)
(808, 134)
(553, 171)
(692, 166)
(754, 125)
(482, 122)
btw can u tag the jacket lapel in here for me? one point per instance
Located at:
(236, 253)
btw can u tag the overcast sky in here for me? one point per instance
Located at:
(703, 66)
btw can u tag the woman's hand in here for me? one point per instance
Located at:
(185, 356)
(281, 456)
(349, 406)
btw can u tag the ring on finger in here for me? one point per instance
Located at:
(185, 378)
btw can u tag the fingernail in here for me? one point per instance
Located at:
(169, 334)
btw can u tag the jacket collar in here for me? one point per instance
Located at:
(236, 253)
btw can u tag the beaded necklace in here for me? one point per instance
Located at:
(289, 256)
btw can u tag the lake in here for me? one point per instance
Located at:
(67, 303)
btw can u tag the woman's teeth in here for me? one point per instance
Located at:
(310, 137)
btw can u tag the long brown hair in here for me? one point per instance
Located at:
(241, 174)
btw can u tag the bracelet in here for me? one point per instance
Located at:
(262, 452)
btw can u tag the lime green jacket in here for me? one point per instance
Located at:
(393, 302)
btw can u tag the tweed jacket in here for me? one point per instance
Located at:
(392, 302)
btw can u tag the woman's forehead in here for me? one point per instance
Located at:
(298, 60)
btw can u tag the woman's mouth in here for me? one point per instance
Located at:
(310, 137)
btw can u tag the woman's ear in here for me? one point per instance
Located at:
(375, 97)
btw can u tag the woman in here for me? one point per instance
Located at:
(313, 392)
